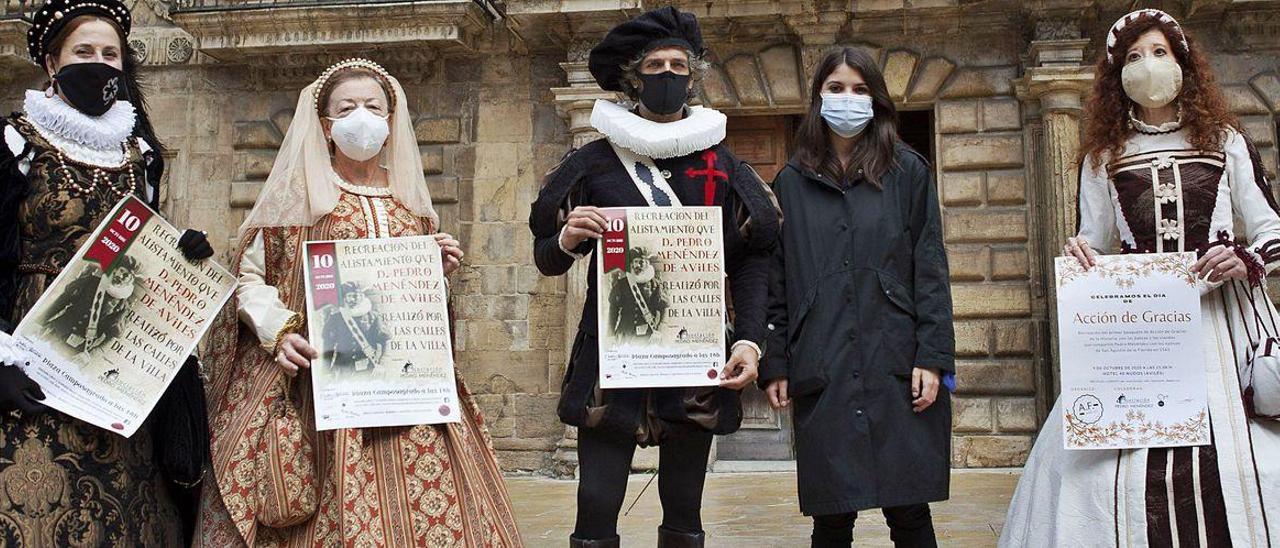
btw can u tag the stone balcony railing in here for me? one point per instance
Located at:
(188, 6)
(237, 30)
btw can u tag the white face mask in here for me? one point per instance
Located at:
(847, 114)
(360, 134)
(1152, 82)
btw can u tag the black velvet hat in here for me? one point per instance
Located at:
(651, 30)
(55, 14)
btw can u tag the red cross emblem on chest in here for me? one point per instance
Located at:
(711, 174)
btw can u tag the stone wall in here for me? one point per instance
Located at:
(488, 129)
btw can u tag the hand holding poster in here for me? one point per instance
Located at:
(377, 313)
(661, 306)
(1132, 357)
(113, 329)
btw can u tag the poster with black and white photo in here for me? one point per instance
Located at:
(116, 325)
(378, 316)
(660, 282)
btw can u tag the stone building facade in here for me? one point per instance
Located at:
(991, 90)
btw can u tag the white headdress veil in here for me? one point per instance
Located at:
(302, 185)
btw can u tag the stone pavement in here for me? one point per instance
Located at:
(749, 510)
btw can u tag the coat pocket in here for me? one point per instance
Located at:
(897, 294)
(898, 330)
(808, 372)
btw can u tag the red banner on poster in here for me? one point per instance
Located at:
(614, 243)
(114, 239)
(323, 269)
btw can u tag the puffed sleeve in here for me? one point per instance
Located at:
(1249, 199)
(153, 169)
(561, 191)
(1097, 211)
(258, 304)
(14, 163)
(935, 333)
(755, 217)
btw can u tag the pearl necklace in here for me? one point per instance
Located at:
(98, 179)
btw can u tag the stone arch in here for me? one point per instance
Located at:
(775, 78)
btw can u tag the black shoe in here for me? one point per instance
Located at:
(575, 542)
(671, 539)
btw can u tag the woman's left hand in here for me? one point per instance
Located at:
(450, 252)
(924, 388)
(743, 368)
(1220, 263)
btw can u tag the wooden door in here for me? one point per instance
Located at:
(765, 143)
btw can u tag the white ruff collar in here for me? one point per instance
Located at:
(702, 129)
(96, 140)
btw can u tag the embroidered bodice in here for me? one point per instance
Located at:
(67, 198)
(1164, 195)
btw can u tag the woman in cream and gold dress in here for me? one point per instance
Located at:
(349, 168)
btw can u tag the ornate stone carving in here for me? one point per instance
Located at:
(1057, 29)
(180, 50)
(340, 30)
(139, 49)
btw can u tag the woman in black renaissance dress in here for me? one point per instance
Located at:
(75, 150)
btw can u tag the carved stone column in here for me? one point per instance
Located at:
(1054, 85)
(574, 104)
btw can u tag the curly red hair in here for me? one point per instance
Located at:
(1204, 110)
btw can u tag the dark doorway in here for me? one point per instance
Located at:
(916, 128)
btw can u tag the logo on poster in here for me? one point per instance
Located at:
(1087, 408)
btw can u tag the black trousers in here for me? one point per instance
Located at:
(604, 465)
(909, 527)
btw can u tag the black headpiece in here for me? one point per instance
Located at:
(659, 28)
(55, 14)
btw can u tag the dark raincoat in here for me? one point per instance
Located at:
(859, 296)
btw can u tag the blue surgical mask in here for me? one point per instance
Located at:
(847, 114)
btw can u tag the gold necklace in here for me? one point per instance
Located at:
(98, 179)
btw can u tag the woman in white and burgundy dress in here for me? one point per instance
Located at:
(1165, 168)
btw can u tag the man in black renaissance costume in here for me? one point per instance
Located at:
(91, 311)
(635, 300)
(353, 334)
(657, 152)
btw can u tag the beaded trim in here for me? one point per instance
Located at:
(362, 190)
(354, 62)
(52, 16)
(29, 268)
(97, 179)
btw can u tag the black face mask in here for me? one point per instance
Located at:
(91, 87)
(665, 92)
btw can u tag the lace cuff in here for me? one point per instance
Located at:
(291, 325)
(748, 344)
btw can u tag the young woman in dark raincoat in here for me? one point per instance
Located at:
(860, 313)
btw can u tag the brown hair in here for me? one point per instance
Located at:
(60, 39)
(1204, 111)
(353, 73)
(874, 152)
